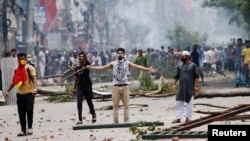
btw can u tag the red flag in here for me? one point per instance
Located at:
(51, 11)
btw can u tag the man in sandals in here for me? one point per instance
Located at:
(120, 89)
(188, 76)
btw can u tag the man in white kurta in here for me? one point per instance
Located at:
(42, 62)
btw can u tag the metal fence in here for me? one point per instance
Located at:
(8, 66)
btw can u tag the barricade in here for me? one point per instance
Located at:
(8, 66)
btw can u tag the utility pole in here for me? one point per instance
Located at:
(30, 27)
(5, 26)
(92, 21)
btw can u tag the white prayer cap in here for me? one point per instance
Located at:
(185, 53)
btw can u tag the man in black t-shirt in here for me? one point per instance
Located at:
(83, 87)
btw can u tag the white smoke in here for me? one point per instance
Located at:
(155, 17)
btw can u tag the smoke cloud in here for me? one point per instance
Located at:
(149, 21)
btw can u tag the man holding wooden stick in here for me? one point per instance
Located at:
(83, 87)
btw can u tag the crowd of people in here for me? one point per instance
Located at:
(221, 57)
(190, 64)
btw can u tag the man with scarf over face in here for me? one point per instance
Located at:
(188, 76)
(120, 89)
(25, 80)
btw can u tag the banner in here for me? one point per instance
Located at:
(40, 15)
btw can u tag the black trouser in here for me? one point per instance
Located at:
(25, 105)
(88, 94)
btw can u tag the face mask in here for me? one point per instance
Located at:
(29, 59)
(183, 59)
(120, 57)
(22, 62)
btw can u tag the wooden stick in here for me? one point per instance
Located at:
(50, 76)
(205, 104)
(68, 95)
(208, 112)
(70, 75)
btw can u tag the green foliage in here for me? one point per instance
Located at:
(139, 129)
(68, 90)
(146, 83)
(166, 88)
(240, 10)
(163, 70)
(180, 36)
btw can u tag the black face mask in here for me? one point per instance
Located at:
(183, 59)
(120, 57)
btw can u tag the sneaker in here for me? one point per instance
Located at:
(78, 122)
(93, 118)
(21, 134)
(29, 131)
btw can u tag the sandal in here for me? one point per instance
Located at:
(176, 121)
(93, 118)
(187, 120)
(78, 122)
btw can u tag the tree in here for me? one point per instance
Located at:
(182, 37)
(239, 8)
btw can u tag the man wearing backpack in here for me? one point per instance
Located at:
(25, 80)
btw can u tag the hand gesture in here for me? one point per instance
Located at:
(153, 70)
